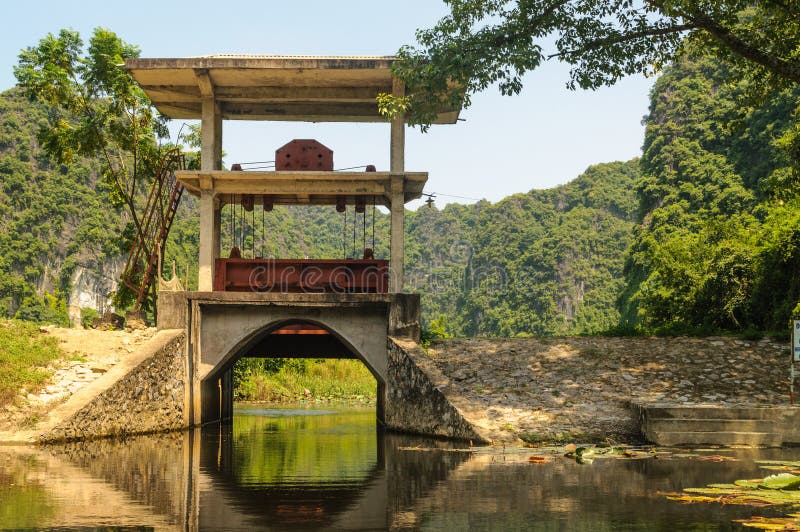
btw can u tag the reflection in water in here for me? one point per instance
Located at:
(24, 498)
(301, 469)
(286, 468)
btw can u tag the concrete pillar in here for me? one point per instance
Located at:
(210, 159)
(211, 136)
(205, 279)
(227, 395)
(217, 245)
(398, 134)
(397, 164)
(212, 399)
(397, 232)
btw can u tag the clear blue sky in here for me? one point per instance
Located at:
(545, 136)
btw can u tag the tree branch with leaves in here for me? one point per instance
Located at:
(486, 42)
(96, 111)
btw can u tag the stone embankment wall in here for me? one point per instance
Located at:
(414, 402)
(144, 395)
(582, 388)
(472, 389)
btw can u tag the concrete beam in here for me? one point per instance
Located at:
(166, 94)
(204, 83)
(282, 113)
(298, 94)
(320, 187)
(337, 111)
(302, 189)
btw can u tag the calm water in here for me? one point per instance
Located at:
(328, 469)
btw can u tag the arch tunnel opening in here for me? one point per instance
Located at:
(307, 343)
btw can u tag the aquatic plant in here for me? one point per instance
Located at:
(780, 489)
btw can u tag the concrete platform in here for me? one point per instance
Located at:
(723, 438)
(768, 426)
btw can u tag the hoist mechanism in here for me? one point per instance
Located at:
(304, 155)
(248, 269)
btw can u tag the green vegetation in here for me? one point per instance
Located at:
(718, 208)
(53, 218)
(777, 490)
(697, 236)
(96, 110)
(312, 380)
(480, 44)
(88, 315)
(24, 353)
(544, 262)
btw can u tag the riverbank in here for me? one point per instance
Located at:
(304, 381)
(25, 354)
(554, 390)
(581, 389)
(68, 360)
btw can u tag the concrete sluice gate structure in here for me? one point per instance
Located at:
(255, 306)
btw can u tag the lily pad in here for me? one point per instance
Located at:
(779, 463)
(781, 481)
(716, 458)
(771, 523)
(775, 490)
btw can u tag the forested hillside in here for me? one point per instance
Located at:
(53, 219)
(543, 262)
(540, 263)
(717, 242)
(701, 234)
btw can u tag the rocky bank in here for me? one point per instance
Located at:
(547, 389)
(88, 354)
(579, 388)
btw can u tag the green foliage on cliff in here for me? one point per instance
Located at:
(701, 234)
(540, 263)
(53, 218)
(716, 247)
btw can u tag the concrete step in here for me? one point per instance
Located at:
(707, 425)
(681, 439)
(711, 412)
